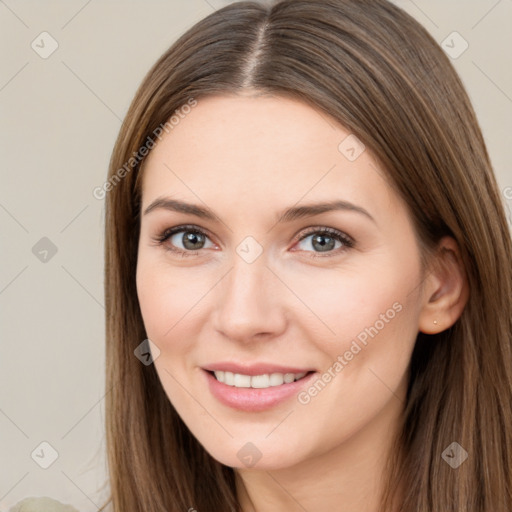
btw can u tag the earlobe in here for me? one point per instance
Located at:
(446, 289)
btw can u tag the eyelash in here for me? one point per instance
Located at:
(348, 242)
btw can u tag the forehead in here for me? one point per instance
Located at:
(264, 148)
(242, 125)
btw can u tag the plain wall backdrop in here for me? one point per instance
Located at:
(69, 70)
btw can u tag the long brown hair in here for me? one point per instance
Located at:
(377, 71)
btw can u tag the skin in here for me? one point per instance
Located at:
(248, 157)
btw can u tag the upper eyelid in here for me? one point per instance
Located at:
(190, 227)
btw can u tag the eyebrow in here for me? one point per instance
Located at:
(288, 215)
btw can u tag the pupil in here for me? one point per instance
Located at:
(322, 245)
(189, 239)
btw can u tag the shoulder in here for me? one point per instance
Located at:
(43, 504)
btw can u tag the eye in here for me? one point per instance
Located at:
(184, 240)
(325, 240)
(189, 240)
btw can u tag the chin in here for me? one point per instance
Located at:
(257, 455)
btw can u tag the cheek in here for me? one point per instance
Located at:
(377, 323)
(170, 302)
(347, 300)
(168, 297)
(366, 320)
(162, 303)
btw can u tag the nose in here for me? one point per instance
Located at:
(250, 303)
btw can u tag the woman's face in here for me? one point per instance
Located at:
(309, 331)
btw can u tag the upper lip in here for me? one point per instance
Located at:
(254, 368)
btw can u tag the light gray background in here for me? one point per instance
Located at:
(59, 119)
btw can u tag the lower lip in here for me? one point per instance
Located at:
(254, 399)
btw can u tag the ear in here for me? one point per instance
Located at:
(446, 289)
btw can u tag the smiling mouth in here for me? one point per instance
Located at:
(266, 380)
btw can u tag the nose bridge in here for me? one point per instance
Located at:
(247, 286)
(249, 302)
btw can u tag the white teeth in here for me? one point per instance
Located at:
(289, 377)
(260, 381)
(266, 380)
(276, 379)
(242, 381)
